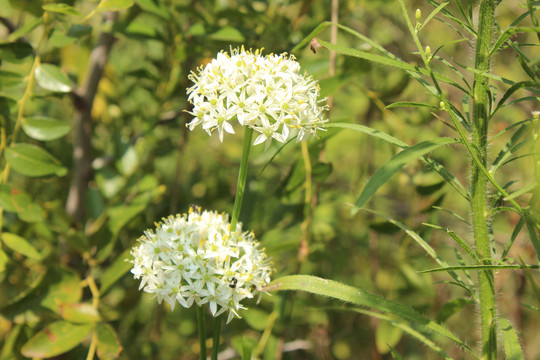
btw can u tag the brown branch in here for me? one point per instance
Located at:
(82, 146)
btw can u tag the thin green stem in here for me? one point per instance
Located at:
(479, 182)
(217, 333)
(242, 175)
(201, 325)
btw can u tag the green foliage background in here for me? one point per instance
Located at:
(65, 271)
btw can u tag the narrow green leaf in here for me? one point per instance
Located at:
(513, 237)
(15, 52)
(383, 60)
(115, 271)
(336, 290)
(512, 347)
(398, 104)
(55, 339)
(25, 29)
(481, 267)
(114, 5)
(3, 260)
(369, 131)
(108, 345)
(33, 161)
(452, 307)
(403, 325)
(432, 14)
(531, 226)
(20, 245)
(51, 78)
(61, 9)
(44, 129)
(383, 174)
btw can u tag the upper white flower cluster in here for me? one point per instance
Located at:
(267, 94)
(196, 258)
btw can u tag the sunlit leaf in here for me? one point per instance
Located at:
(108, 345)
(20, 245)
(154, 7)
(25, 29)
(512, 346)
(114, 5)
(33, 161)
(79, 313)
(55, 339)
(338, 291)
(61, 9)
(44, 129)
(51, 78)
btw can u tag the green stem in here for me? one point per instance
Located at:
(479, 182)
(217, 333)
(202, 331)
(242, 175)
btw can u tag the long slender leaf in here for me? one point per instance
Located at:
(403, 326)
(432, 14)
(336, 290)
(515, 233)
(512, 347)
(383, 174)
(481, 267)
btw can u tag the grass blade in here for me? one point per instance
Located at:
(384, 173)
(338, 291)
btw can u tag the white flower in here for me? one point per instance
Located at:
(195, 258)
(267, 94)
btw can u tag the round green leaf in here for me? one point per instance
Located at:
(108, 345)
(20, 245)
(51, 78)
(33, 161)
(15, 52)
(6, 105)
(80, 313)
(61, 9)
(43, 128)
(228, 33)
(60, 286)
(55, 339)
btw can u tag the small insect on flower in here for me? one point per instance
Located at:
(233, 282)
(185, 259)
(266, 93)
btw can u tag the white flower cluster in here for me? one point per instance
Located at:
(267, 94)
(196, 258)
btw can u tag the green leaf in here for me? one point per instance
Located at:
(15, 52)
(3, 260)
(248, 345)
(383, 174)
(338, 291)
(55, 339)
(51, 78)
(369, 131)
(114, 5)
(387, 336)
(398, 104)
(17, 201)
(9, 78)
(156, 8)
(116, 270)
(452, 307)
(20, 245)
(44, 129)
(512, 347)
(79, 313)
(108, 345)
(61, 9)
(228, 33)
(33, 161)
(7, 105)
(25, 29)
(61, 286)
(481, 267)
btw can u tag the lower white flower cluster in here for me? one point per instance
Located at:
(195, 258)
